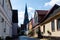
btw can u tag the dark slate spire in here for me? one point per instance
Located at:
(26, 20)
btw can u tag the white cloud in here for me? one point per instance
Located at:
(20, 17)
(30, 9)
(31, 12)
(52, 2)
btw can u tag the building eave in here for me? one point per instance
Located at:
(57, 15)
(50, 12)
(10, 4)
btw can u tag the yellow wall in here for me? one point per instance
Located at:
(35, 34)
(30, 25)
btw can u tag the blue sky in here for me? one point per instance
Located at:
(32, 5)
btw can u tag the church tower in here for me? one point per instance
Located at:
(26, 20)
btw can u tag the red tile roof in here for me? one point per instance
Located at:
(51, 11)
(41, 14)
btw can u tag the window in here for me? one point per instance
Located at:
(36, 18)
(43, 28)
(53, 25)
(3, 3)
(4, 26)
(0, 2)
(39, 32)
(58, 24)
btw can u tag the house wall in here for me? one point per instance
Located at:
(41, 28)
(5, 19)
(14, 27)
(48, 27)
(30, 25)
(7, 9)
(35, 32)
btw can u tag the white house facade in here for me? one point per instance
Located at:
(5, 18)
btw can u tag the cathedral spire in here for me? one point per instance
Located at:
(26, 20)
